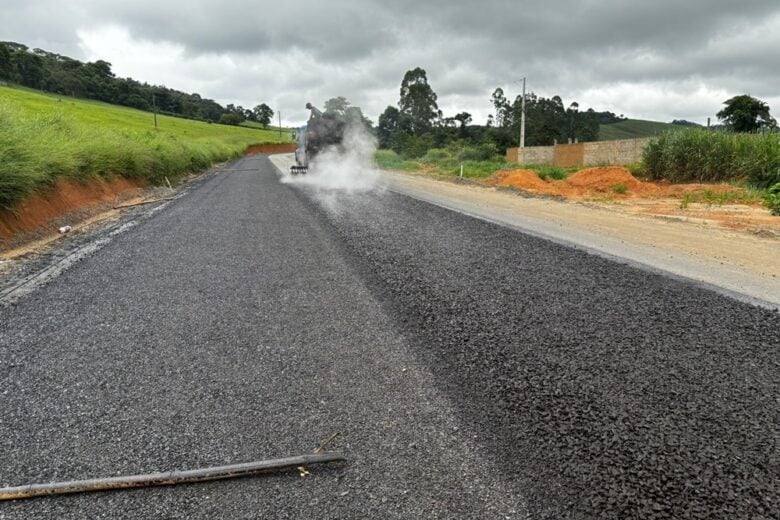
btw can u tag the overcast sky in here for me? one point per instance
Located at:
(660, 60)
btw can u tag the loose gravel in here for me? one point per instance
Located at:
(228, 328)
(605, 391)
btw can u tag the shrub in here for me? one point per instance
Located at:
(469, 152)
(772, 199)
(551, 172)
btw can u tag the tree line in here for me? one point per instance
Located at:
(417, 124)
(66, 76)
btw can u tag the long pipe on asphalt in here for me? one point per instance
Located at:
(170, 478)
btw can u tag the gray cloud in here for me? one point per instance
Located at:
(249, 51)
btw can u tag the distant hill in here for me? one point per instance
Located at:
(633, 128)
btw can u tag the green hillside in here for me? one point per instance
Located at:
(633, 128)
(44, 136)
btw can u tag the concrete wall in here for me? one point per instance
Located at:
(598, 153)
(624, 151)
(530, 155)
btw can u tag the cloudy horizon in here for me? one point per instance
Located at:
(662, 61)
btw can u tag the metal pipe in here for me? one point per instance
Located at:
(170, 478)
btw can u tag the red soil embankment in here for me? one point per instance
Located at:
(41, 212)
(271, 148)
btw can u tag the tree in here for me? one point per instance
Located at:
(230, 118)
(501, 105)
(746, 114)
(337, 106)
(463, 118)
(29, 69)
(387, 125)
(418, 101)
(263, 114)
(5, 62)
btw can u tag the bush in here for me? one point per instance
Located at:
(389, 160)
(436, 155)
(772, 199)
(410, 146)
(552, 172)
(470, 152)
(700, 155)
(230, 119)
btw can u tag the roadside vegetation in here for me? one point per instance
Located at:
(43, 137)
(699, 155)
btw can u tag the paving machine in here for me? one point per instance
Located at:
(321, 131)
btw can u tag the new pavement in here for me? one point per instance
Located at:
(472, 371)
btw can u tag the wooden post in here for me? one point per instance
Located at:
(154, 105)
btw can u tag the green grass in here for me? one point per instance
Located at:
(701, 155)
(269, 128)
(43, 137)
(444, 162)
(632, 129)
(717, 198)
(550, 172)
(620, 188)
(389, 160)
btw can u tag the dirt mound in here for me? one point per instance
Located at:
(271, 148)
(603, 179)
(523, 179)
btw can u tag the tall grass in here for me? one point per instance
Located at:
(43, 138)
(389, 160)
(705, 156)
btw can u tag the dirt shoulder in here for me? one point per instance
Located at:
(736, 261)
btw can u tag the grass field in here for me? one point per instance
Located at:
(633, 128)
(45, 136)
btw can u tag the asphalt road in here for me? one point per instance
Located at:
(473, 371)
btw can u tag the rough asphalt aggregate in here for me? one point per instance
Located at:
(473, 371)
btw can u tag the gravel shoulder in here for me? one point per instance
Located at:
(734, 262)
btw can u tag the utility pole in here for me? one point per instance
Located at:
(154, 104)
(280, 125)
(522, 119)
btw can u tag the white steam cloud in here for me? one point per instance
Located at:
(348, 167)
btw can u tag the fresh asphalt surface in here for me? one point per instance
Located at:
(472, 371)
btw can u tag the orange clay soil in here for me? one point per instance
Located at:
(45, 211)
(596, 183)
(617, 187)
(271, 148)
